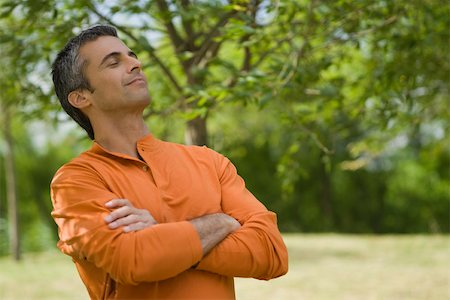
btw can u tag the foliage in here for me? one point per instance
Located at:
(335, 112)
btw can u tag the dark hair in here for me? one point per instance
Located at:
(68, 72)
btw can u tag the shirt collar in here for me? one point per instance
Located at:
(147, 144)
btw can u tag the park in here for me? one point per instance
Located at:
(335, 113)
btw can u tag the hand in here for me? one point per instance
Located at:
(128, 216)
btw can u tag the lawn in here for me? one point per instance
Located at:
(321, 267)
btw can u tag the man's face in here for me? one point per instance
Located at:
(115, 75)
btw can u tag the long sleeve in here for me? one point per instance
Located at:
(155, 253)
(257, 248)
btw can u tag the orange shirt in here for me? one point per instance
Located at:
(175, 183)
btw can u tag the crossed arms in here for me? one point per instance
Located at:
(212, 228)
(130, 245)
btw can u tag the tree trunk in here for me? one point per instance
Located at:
(196, 132)
(326, 200)
(14, 238)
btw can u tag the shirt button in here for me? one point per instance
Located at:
(145, 168)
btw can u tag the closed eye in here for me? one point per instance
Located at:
(132, 54)
(113, 64)
(113, 59)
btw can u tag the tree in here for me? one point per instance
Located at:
(15, 91)
(10, 171)
(6, 108)
(343, 89)
(193, 36)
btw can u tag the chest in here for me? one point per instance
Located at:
(169, 191)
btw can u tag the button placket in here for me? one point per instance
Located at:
(144, 167)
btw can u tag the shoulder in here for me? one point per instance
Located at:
(81, 166)
(198, 154)
(195, 151)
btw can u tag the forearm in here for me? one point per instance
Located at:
(255, 250)
(152, 254)
(127, 258)
(212, 229)
(165, 250)
(142, 255)
(156, 253)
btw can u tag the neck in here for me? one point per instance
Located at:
(120, 134)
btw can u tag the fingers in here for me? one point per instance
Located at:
(121, 212)
(117, 203)
(135, 227)
(124, 221)
(127, 216)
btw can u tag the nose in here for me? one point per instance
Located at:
(134, 64)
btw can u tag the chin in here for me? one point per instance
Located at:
(142, 98)
(147, 101)
(144, 102)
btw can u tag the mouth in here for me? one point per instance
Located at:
(137, 79)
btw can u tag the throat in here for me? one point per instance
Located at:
(122, 143)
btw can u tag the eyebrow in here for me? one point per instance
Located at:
(115, 54)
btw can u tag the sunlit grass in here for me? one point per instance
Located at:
(49, 275)
(321, 267)
(359, 267)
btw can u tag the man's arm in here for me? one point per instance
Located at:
(157, 252)
(212, 229)
(257, 248)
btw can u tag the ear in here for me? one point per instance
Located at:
(78, 99)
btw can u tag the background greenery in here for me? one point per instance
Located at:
(321, 267)
(335, 112)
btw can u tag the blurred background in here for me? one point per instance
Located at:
(334, 112)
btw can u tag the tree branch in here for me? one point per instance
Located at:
(208, 42)
(316, 140)
(231, 82)
(253, 9)
(210, 55)
(297, 55)
(178, 42)
(187, 25)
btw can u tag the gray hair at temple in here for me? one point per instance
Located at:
(68, 72)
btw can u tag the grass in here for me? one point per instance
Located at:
(321, 267)
(359, 267)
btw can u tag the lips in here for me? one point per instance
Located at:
(138, 78)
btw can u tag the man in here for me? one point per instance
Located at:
(142, 218)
